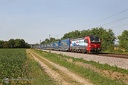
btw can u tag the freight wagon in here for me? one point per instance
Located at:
(56, 45)
(49, 46)
(65, 45)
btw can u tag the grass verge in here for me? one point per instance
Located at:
(94, 77)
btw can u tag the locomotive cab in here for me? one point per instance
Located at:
(93, 44)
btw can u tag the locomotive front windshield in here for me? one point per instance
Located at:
(94, 39)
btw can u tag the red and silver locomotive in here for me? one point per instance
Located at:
(88, 44)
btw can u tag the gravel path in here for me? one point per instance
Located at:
(50, 72)
(119, 62)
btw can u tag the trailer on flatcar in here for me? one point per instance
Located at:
(65, 45)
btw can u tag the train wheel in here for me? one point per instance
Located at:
(84, 51)
(88, 52)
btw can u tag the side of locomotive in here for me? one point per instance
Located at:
(78, 45)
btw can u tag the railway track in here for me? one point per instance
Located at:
(125, 56)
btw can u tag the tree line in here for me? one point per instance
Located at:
(107, 37)
(14, 43)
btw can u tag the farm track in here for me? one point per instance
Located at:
(59, 73)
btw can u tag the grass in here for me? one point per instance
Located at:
(19, 67)
(98, 65)
(94, 77)
(40, 77)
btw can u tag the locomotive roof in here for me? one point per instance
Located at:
(92, 36)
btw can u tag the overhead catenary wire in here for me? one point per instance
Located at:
(116, 14)
(116, 20)
(110, 17)
(120, 25)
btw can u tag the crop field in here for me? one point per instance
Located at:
(18, 68)
(13, 66)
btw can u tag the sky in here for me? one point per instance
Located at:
(35, 20)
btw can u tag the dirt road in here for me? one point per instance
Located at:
(58, 73)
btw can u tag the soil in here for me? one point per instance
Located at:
(59, 73)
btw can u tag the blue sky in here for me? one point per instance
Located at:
(34, 20)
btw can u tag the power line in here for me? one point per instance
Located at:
(120, 25)
(110, 16)
(116, 14)
(116, 20)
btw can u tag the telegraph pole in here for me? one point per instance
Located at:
(40, 44)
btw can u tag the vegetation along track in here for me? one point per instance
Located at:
(59, 73)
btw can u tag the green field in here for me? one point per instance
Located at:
(17, 67)
(12, 65)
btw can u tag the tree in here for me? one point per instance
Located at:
(52, 40)
(85, 33)
(73, 34)
(123, 40)
(19, 43)
(14, 43)
(5, 45)
(11, 43)
(27, 45)
(22, 42)
(49, 40)
(1, 43)
(45, 41)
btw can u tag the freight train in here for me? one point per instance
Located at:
(88, 44)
